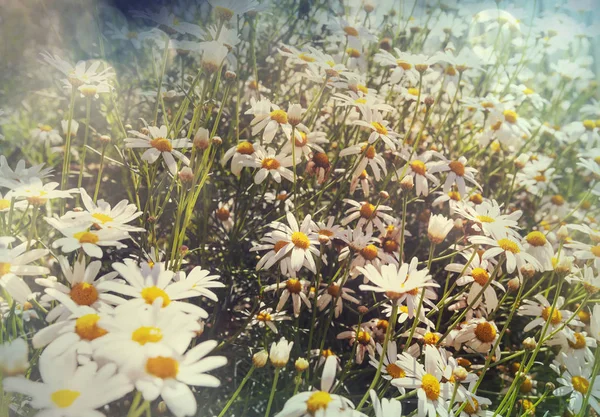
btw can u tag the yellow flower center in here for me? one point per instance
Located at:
(595, 251)
(327, 353)
(363, 337)
(451, 71)
(318, 401)
(264, 316)
(84, 294)
(4, 268)
(147, 334)
(102, 218)
(540, 178)
(350, 31)
(300, 240)
(485, 219)
(45, 128)
(152, 293)
(270, 163)
(579, 342)
(556, 315)
(333, 290)
(293, 285)
(306, 58)
(245, 148)
(64, 398)
(280, 116)
(280, 244)
(430, 338)
(431, 386)
(379, 128)
(557, 200)
(390, 246)
(589, 124)
(161, 144)
(418, 167)
(487, 105)
(471, 409)
(87, 327)
(302, 140)
(510, 116)
(508, 245)
(353, 53)
(413, 91)
(454, 195)
(480, 276)
(395, 371)
(4, 204)
(362, 88)
(369, 252)
(86, 237)
(367, 210)
(528, 91)
(580, 384)
(536, 239)
(457, 167)
(485, 332)
(403, 64)
(162, 367)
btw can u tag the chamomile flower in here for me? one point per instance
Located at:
(418, 168)
(516, 257)
(576, 381)
(14, 357)
(239, 154)
(69, 390)
(367, 156)
(478, 335)
(157, 144)
(268, 117)
(385, 407)
(542, 311)
(366, 213)
(379, 128)
(267, 317)
(295, 288)
(458, 173)
(16, 261)
(362, 337)
(335, 293)
(270, 162)
(489, 218)
(46, 134)
(320, 403)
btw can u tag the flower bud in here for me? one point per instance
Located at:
(562, 233)
(407, 183)
(294, 114)
(384, 195)
(161, 407)
(324, 239)
(301, 364)
(528, 271)
(529, 344)
(514, 284)
(217, 141)
(259, 359)
(460, 373)
(363, 309)
(429, 100)
(104, 139)
(230, 75)
(186, 175)
(201, 138)
(550, 386)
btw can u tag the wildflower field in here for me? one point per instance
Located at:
(289, 208)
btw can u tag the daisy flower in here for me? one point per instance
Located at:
(576, 381)
(12, 178)
(458, 173)
(478, 335)
(367, 213)
(488, 218)
(46, 134)
(81, 74)
(239, 154)
(512, 250)
(385, 407)
(168, 376)
(363, 338)
(157, 144)
(362, 245)
(14, 357)
(296, 288)
(321, 402)
(102, 216)
(418, 167)
(389, 370)
(368, 157)
(7, 199)
(267, 317)
(542, 311)
(576, 345)
(147, 284)
(584, 252)
(379, 128)
(268, 118)
(477, 272)
(37, 193)
(400, 67)
(432, 391)
(334, 292)
(438, 228)
(68, 390)
(14, 262)
(89, 240)
(538, 246)
(305, 142)
(270, 162)
(133, 331)
(83, 288)
(588, 279)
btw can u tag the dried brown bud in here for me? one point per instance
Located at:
(363, 309)
(514, 284)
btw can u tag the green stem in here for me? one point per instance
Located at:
(88, 106)
(237, 392)
(273, 388)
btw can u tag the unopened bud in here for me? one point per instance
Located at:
(384, 195)
(407, 183)
(562, 233)
(230, 75)
(186, 175)
(460, 373)
(151, 219)
(324, 239)
(259, 359)
(145, 131)
(385, 44)
(183, 249)
(128, 127)
(294, 114)
(363, 309)
(528, 271)
(529, 344)
(161, 407)
(104, 139)
(217, 141)
(514, 284)
(550, 386)
(201, 138)
(301, 364)
(429, 100)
